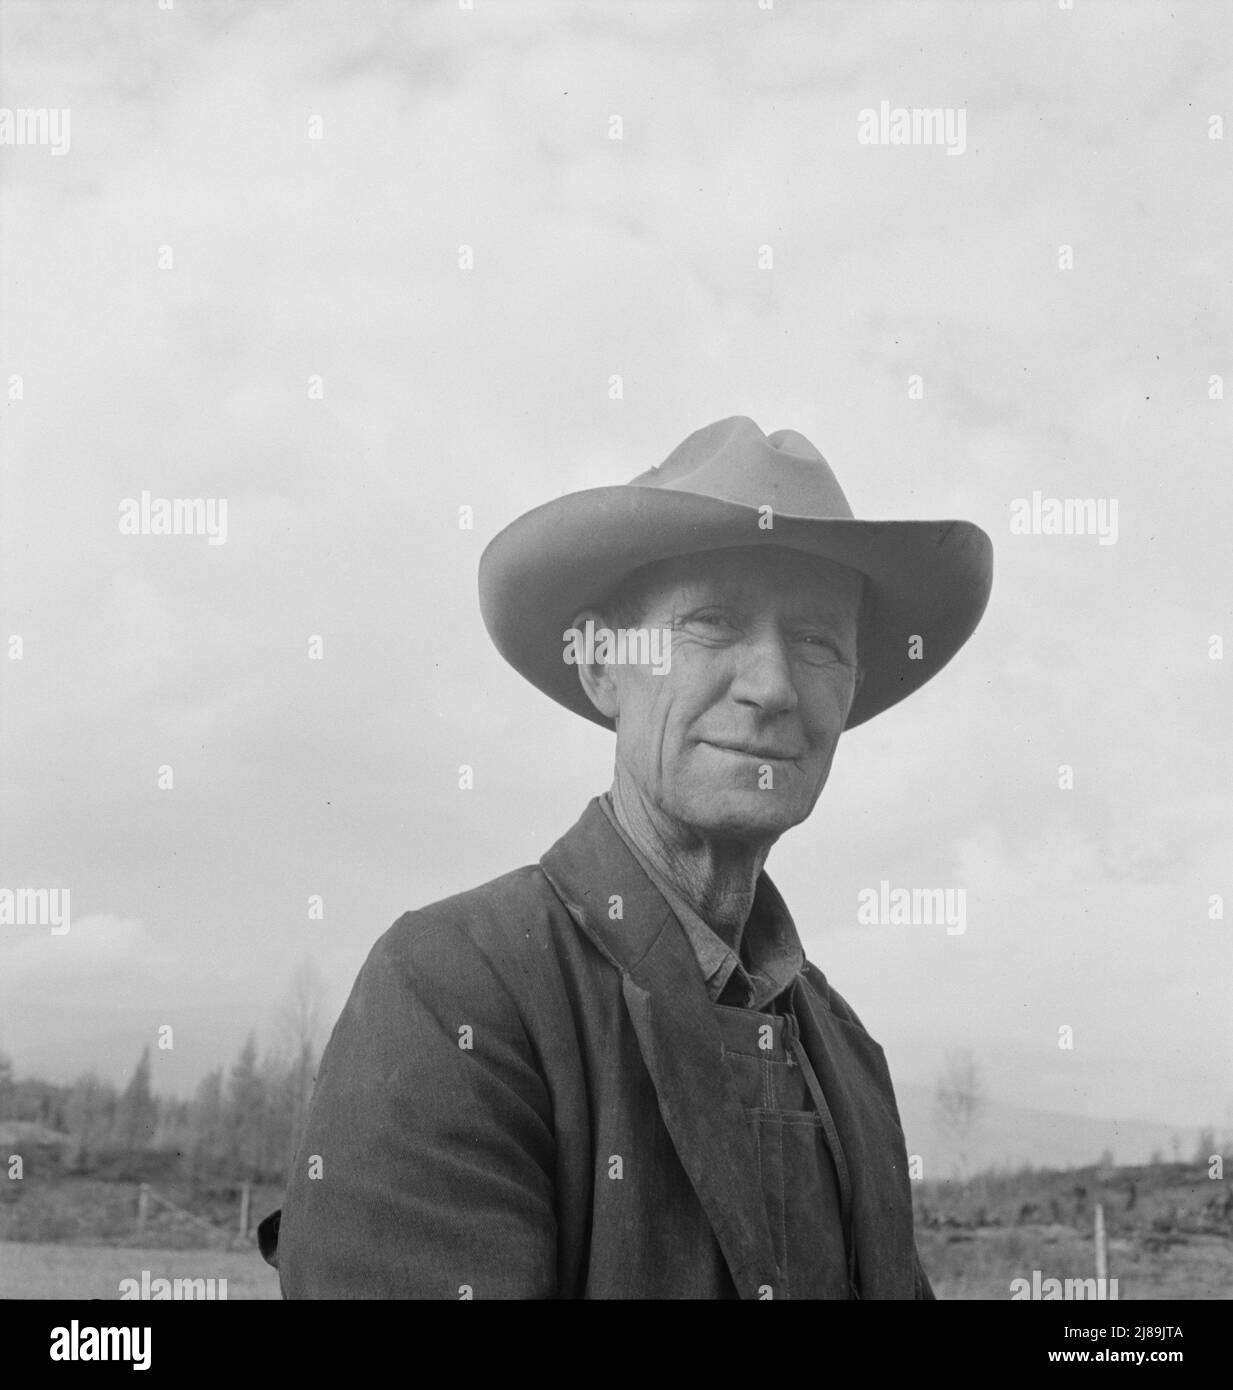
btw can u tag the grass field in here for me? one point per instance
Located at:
(1169, 1228)
(1170, 1234)
(981, 1263)
(971, 1265)
(40, 1270)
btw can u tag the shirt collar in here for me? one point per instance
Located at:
(770, 945)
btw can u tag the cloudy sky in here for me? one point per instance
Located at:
(257, 196)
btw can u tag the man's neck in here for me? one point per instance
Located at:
(717, 878)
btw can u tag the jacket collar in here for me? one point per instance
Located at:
(621, 912)
(771, 956)
(617, 907)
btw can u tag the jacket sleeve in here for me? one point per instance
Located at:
(426, 1166)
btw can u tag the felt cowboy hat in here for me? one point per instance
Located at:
(924, 579)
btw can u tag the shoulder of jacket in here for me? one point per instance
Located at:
(830, 996)
(491, 918)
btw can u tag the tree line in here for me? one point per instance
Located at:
(242, 1123)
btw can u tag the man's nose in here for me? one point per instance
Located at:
(764, 674)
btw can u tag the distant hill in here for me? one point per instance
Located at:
(1011, 1135)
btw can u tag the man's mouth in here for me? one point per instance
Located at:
(756, 751)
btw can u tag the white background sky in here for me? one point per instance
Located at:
(339, 257)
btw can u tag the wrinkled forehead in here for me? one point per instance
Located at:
(752, 575)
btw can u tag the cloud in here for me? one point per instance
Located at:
(338, 257)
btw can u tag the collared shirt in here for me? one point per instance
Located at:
(790, 1121)
(773, 956)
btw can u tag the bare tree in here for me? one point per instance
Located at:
(959, 1101)
(299, 1033)
(299, 1018)
(1206, 1144)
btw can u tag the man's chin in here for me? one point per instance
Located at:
(746, 815)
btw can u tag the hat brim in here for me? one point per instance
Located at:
(926, 579)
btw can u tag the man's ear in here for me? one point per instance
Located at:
(596, 678)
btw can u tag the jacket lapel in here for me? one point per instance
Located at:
(618, 908)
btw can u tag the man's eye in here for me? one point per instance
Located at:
(818, 644)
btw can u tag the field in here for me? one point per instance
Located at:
(78, 1237)
(981, 1263)
(39, 1270)
(1169, 1229)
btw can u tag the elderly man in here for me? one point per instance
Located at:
(614, 1074)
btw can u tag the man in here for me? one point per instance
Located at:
(614, 1074)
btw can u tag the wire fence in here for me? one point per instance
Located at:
(150, 1201)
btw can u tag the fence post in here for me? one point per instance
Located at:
(245, 1198)
(143, 1205)
(1102, 1254)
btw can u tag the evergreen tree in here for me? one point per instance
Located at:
(208, 1128)
(137, 1114)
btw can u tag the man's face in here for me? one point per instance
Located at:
(735, 740)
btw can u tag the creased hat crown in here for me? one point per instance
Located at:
(733, 461)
